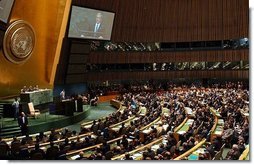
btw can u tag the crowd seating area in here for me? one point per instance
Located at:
(179, 123)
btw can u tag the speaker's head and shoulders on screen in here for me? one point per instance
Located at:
(86, 23)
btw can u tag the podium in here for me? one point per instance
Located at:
(79, 105)
(68, 107)
(65, 107)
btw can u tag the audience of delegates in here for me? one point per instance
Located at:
(230, 100)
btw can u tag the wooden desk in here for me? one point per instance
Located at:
(115, 103)
(147, 131)
(137, 153)
(165, 111)
(183, 129)
(193, 150)
(215, 112)
(89, 150)
(116, 127)
(218, 125)
(195, 154)
(218, 131)
(143, 134)
(142, 111)
(245, 153)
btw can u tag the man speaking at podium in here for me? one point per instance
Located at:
(98, 26)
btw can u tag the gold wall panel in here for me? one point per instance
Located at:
(46, 18)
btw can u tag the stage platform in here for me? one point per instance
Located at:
(45, 122)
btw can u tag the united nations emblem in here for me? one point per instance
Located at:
(19, 42)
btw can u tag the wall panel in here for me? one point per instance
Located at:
(226, 74)
(159, 57)
(175, 20)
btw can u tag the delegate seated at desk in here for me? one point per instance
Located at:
(200, 154)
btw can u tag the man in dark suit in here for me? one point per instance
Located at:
(52, 151)
(98, 27)
(4, 149)
(37, 153)
(23, 122)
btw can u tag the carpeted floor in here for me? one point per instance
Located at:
(96, 112)
(44, 117)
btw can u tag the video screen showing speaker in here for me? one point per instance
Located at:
(5, 10)
(86, 23)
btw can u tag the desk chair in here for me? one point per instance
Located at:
(33, 112)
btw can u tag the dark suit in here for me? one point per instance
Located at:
(23, 122)
(37, 154)
(52, 153)
(100, 30)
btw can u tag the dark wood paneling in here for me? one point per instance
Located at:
(170, 21)
(76, 68)
(159, 57)
(224, 74)
(75, 78)
(175, 20)
(78, 58)
(80, 48)
(62, 65)
(235, 18)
